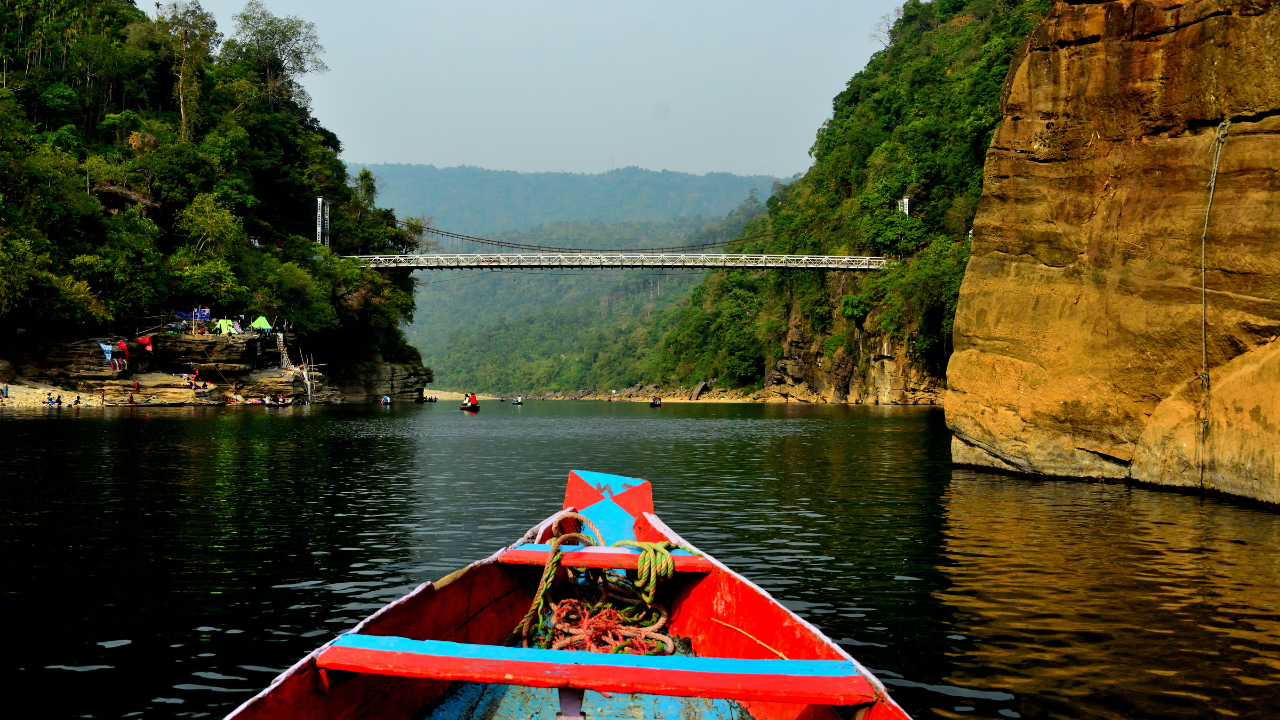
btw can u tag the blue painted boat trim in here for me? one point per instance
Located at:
(573, 548)
(615, 484)
(611, 520)
(731, 666)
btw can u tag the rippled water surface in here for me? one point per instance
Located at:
(169, 562)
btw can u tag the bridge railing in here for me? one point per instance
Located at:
(622, 260)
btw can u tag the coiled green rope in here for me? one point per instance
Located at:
(653, 566)
(625, 617)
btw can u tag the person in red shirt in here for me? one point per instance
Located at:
(472, 400)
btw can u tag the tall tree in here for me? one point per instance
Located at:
(192, 37)
(283, 49)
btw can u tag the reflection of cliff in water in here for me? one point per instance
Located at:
(1108, 601)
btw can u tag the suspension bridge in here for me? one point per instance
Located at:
(625, 259)
(509, 255)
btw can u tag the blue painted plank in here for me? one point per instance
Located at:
(482, 701)
(734, 666)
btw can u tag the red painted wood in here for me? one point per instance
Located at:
(646, 532)
(790, 711)
(616, 561)
(637, 501)
(579, 494)
(479, 605)
(850, 690)
(886, 710)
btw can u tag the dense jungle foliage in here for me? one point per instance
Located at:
(915, 123)
(151, 166)
(563, 329)
(474, 200)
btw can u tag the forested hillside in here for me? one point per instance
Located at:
(915, 123)
(557, 329)
(150, 165)
(474, 200)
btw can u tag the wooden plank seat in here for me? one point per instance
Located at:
(613, 558)
(830, 682)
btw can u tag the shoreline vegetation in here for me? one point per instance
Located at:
(153, 165)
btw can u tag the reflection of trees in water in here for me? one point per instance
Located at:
(1108, 601)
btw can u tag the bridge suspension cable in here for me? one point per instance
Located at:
(554, 248)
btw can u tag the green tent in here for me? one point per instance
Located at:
(225, 327)
(262, 324)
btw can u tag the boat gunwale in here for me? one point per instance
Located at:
(443, 582)
(534, 534)
(881, 692)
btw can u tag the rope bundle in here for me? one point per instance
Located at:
(602, 611)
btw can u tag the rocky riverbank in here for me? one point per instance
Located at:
(794, 391)
(207, 369)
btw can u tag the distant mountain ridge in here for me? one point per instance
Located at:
(475, 200)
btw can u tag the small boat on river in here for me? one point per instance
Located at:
(470, 407)
(605, 605)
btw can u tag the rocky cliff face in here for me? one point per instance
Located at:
(869, 370)
(369, 382)
(1079, 331)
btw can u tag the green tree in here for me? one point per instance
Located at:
(192, 37)
(282, 48)
(145, 167)
(213, 228)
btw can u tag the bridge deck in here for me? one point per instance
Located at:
(623, 260)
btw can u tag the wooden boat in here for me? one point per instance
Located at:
(655, 404)
(443, 652)
(472, 408)
(517, 402)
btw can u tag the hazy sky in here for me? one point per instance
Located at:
(582, 86)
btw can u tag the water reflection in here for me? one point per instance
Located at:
(167, 563)
(1091, 600)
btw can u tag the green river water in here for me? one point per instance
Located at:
(169, 562)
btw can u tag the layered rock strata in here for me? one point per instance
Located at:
(369, 382)
(1079, 333)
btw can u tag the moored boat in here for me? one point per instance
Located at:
(693, 639)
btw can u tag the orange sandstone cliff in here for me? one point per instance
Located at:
(1079, 330)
